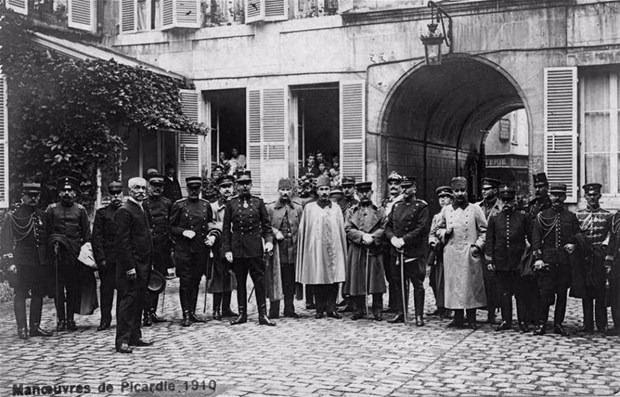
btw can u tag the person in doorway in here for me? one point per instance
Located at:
(310, 167)
(172, 188)
(236, 162)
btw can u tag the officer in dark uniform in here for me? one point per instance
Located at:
(24, 243)
(348, 189)
(588, 281)
(191, 223)
(246, 224)
(68, 229)
(553, 241)
(394, 194)
(158, 208)
(507, 233)
(407, 231)
(104, 236)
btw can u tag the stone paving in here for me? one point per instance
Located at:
(308, 357)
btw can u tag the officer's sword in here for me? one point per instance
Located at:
(366, 283)
(402, 284)
(210, 261)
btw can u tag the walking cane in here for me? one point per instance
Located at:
(210, 261)
(56, 249)
(402, 284)
(163, 300)
(366, 283)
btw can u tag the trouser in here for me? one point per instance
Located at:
(190, 269)
(614, 290)
(106, 291)
(28, 278)
(414, 272)
(553, 286)
(359, 303)
(393, 297)
(530, 300)
(436, 280)
(325, 296)
(130, 301)
(67, 290)
(309, 294)
(256, 268)
(161, 263)
(491, 289)
(509, 284)
(287, 272)
(594, 307)
(222, 299)
(459, 315)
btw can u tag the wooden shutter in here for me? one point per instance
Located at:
(352, 130)
(254, 11)
(560, 127)
(276, 10)
(19, 6)
(254, 147)
(180, 14)
(189, 144)
(82, 14)
(128, 13)
(4, 145)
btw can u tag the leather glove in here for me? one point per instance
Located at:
(131, 274)
(190, 234)
(367, 239)
(608, 264)
(279, 236)
(229, 257)
(268, 246)
(210, 240)
(539, 265)
(13, 269)
(475, 251)
(397, 242)
(570, 248)
(491, 267)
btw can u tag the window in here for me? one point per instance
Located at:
(600, 93)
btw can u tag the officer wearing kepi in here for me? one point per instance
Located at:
(158, 209)
(191, 223)
(246, 225)
(24, 242)
(104, 236)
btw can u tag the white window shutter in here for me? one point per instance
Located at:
(189, 162)
(128, 13)
(19, 6)
(560, 127)
(180, 14)
(276, 10)
(254, 146)
(254, 11)
(4, 145)
(275, 140)
(352, 130)
(82, 14)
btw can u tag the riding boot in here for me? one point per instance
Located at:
(471, 318)
(243, 316)
(262, 316)
(588, 314)
(274, 309)
(217, 301)
(226, 311)
(418, 303)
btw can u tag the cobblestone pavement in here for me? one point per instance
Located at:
(303, 357)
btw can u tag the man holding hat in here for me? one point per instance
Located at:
(193, 231)
(462, 231)
(24, 243)
(435, 257)
(554, 240)
(364, 225)
(407, 231)
(68, 228)
(506, 237)
(285, 216)
(588, 274)
(321, 250)
(246, 225)
(158, 208)
(220, 279)
(104, 251)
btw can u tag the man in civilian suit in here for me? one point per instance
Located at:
(135, 247)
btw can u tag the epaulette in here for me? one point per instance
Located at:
(180, 200)
(80, 206)
(232, 197)
(53, 205)
(422, 202)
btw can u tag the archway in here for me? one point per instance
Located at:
(436, 118)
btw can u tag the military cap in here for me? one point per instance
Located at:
(193, 181)
(67, 182)
(394, 177)
(285, 184)
(151, 171)
(156, 179)
(115, 187)
(363, 186)
(407, 181)
(244, 176)
(336, 190)
(557, 188)
(592, 188)
(323, 181)
(223, 179)
(506, 192)
(490, 183)
(540, 179)
(348, 181)
(458, 182)
(442, 191)
(31, 187)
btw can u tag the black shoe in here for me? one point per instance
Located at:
(217, 315)
(377, 316)
(342, 303)
(472, 324)
(491, 318)
(38, 331)
(103, 325)
(613, 332)
(71, 325)
(541, 329)
(559, 329)
(419, 321)
(455, 324)
(357, 316)
(156, 319)
(503, 326)
(334, 315)
(436, 312)
(291, 315)
(310, 306)
(22, 333)
(389, 310)
(273, 314)
(264, 320)
(524, 327)
(319, 315)
(229, 313)
(242, 318)
(186, 322)
(124, 348)
(195, 319)
(61, 326)
(399, 318)
(142, 343)
(346, 309)
(586, 329)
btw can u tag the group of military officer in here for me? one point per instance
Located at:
(535, 254)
